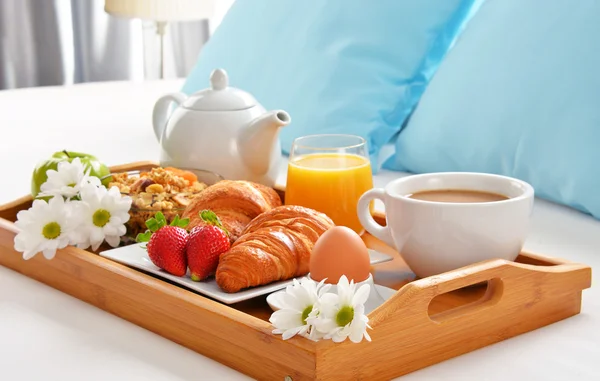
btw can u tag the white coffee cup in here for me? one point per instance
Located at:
(434, 237)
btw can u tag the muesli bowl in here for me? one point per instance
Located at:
(167, 190)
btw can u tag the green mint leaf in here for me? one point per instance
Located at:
(143, 237)
(175, 221)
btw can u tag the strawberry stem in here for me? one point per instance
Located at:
(157, 222)
(209, 217)
(144, 237)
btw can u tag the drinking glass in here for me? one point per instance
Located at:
(329, 173)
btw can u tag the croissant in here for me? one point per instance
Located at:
(236, 203)
(275, 246)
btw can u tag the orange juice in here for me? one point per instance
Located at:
(331, 183)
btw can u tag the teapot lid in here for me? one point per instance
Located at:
(219, 97)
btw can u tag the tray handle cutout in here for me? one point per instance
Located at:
(465, 300)
(494, 272)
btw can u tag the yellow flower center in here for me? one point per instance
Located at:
(344, 316)
(72, 185)
(305, 313)
(51, 230)
(101, 217)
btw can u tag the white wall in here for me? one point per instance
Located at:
(222, 8)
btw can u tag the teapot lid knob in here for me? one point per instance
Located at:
(219, 96)
(218, 79)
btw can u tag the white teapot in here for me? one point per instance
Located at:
(221, 129)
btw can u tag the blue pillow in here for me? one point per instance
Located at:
(518, 95)
(337, 66)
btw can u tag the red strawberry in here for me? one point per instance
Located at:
(166, 249)
(205, 244)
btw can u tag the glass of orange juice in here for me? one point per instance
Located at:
(329, 173)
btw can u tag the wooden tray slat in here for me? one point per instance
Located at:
(427, 321)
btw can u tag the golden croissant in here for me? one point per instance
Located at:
(275, 246)
(236, 203)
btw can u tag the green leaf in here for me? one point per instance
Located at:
(144, 237)
(161, 219)
(210, 218)
(157, 222)
(182, 223)
(152, 225)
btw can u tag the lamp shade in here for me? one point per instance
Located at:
(161, 10)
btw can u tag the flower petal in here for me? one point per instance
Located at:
(323, 325)
(338, 336)
(49, 253)
(356, 332)
(290, 333)
(113, 240)
(290, 301)
(362, 294)
(83, 244)
(328, 304)
(28, 254)
(96, 245)
(315, 335)
(93, 180)
(96, 236)
(286, 319)
(110, 229)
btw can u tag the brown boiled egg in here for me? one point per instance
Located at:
(339, 251)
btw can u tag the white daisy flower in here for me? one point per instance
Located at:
(104, 213)
(298, 304)
(342, 315)
(68, 180)
(45, 227)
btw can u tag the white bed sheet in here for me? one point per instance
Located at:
(45, 334)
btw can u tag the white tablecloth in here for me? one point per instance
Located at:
(48, 335)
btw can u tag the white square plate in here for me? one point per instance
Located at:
(137, 257)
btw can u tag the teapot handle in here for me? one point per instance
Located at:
(161, 109)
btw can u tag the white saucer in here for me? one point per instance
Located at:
(274, 299)
(137, 257)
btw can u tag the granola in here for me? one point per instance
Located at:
(168, 190)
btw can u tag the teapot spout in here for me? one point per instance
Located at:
(256, 143)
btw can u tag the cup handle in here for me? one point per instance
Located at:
(366, 219)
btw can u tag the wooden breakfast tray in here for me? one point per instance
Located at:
(427, 321)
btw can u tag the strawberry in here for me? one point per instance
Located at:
(166, 243)
(166, 249)
(205, 244)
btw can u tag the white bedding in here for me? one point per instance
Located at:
(47, 335)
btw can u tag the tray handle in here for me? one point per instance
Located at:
(509, 283)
